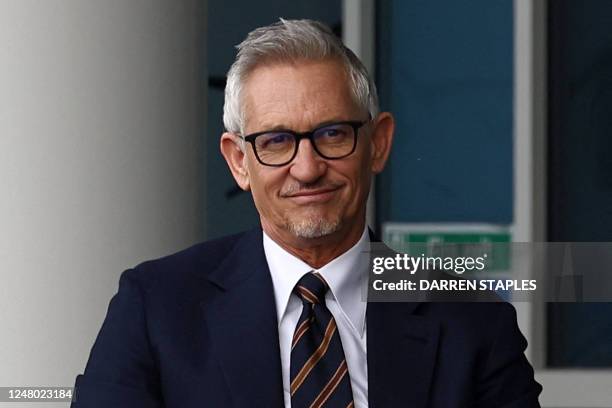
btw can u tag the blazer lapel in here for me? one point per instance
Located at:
(401, 355)
(241, 321)
(402, 349)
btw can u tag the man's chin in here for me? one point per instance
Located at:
(313, 228)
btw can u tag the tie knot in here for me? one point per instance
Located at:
(311, 288)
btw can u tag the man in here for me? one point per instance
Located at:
(274, 317)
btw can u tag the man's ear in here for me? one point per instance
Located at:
(382, 139)
(236, 159)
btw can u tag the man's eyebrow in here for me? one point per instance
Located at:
(265, 127)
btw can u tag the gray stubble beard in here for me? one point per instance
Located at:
(313, 227)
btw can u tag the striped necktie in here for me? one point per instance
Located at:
(319, 373)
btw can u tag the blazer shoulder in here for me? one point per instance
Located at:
(477, 312)
(477, 323)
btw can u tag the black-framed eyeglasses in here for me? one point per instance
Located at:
(331, 141)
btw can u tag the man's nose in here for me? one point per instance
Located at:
(307, 166)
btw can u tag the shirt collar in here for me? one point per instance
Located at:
(345, 275)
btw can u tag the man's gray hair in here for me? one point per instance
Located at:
(290, 41)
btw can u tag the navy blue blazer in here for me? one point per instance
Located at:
(199, 329)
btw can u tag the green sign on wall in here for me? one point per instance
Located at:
(454, 240)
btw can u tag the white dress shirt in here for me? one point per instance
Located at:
(346, 276)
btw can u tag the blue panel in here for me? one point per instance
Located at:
(450, 80)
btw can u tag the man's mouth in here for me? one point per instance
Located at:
(312, 196)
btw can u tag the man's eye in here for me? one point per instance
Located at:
(279, 139)
(274, 140)
(331, 132)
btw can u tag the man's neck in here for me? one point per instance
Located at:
(318, 252)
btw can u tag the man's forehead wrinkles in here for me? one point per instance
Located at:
(265, 115)
(306, 120)
(274, 117)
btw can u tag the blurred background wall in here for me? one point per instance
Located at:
(102, 118)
